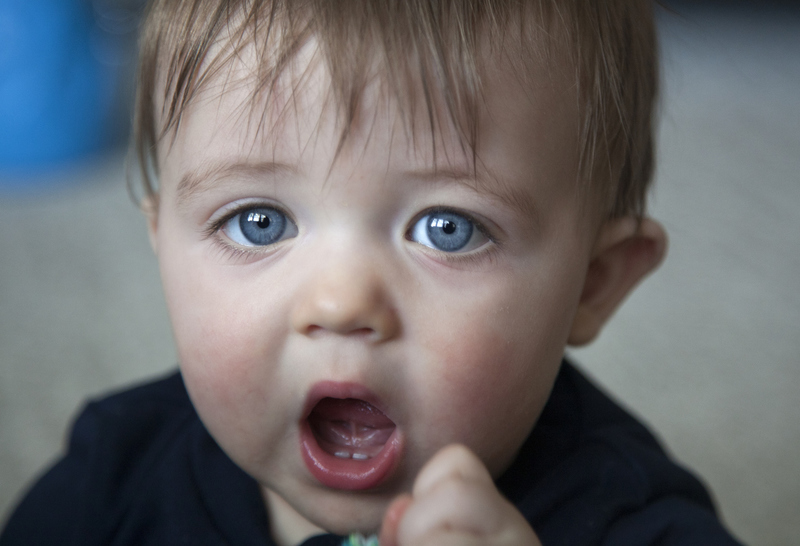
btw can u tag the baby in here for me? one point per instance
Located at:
(379, 223)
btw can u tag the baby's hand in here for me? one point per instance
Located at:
(454, 501)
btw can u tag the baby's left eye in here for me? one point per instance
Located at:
(448, 231)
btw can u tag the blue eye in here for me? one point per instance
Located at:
(447, 231)
(259, 226)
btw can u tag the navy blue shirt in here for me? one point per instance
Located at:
(141, 469)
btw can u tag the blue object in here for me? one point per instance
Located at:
(55, 95)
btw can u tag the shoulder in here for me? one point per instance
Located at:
(123, 451)
(120, 439)
(591, 473)
(134, 422)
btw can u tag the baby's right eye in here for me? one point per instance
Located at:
(259, 226)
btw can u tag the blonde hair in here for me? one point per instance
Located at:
(436, 42)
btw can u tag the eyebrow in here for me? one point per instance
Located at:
(203, 178)
(489, 184)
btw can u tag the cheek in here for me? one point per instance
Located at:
(475, 368)
(228, 354)
(486, 395)
(494, 369)
(494, 386)
(214, 335)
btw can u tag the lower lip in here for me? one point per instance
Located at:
(348, 474)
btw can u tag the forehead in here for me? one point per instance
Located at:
(438, 78)
(523, 107)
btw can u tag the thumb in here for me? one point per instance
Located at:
(391, 520)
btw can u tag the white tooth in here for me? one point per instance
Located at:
(360, 456)
(342, 454)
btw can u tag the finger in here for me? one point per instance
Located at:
(454, 505)
(391, 520)
(452, 462)
(459, 512)
(439, 537)
(454, 538)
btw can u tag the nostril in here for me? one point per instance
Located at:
(358, 310)
(313, 329)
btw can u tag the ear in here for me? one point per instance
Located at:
(626, 251)
(149, 208)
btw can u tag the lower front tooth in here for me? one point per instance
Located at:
(342, 454)
(360, 456)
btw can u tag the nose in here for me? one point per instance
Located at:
(350, 299)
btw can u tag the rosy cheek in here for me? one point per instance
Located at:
(218, 345)
(475, 368)
(490, 386)
(228, 376)
(471, 371)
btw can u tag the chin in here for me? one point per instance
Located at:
(344, 512)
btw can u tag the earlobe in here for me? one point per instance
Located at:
(626, 251)
(149, 207)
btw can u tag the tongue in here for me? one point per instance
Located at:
(350, 428)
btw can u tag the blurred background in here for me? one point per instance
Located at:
(707, 351)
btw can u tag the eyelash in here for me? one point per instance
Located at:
(235, 252)
(457, 257)
(481, 257)
(232, 250)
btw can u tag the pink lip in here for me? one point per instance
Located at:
(348, 474)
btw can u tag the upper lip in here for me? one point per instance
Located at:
(341, 390)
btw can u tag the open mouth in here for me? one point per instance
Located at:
(348, 443)
(350, 428)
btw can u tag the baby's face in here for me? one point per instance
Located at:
(338, 322)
